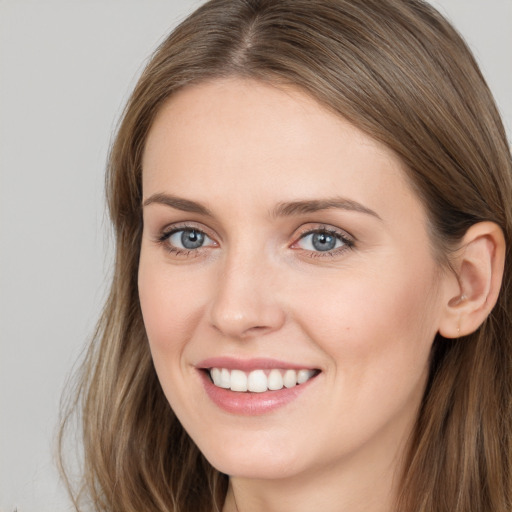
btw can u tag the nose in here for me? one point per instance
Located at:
(246, 301)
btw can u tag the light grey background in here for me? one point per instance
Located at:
(66, 68)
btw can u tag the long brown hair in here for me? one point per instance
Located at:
(399, 71)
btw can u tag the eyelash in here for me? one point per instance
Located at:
(347, 241)
(163, 240)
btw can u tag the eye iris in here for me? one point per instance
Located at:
(323, 241)
(192, 239)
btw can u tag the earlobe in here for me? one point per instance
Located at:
(479, 265)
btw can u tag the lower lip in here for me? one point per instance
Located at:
(251, 404)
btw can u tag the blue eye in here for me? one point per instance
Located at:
(322, 241)
(188, 239)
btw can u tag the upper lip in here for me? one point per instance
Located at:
(248, 365)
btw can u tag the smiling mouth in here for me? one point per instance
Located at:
(259, 381)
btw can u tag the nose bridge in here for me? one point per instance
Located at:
(246, 302)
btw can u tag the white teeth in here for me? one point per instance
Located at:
(259, 381)
(238, 380)
(275, 380)
(290, 378)
(215, 374)
(225, 379)
(304, 376)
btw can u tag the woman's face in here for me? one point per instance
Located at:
(282, 244)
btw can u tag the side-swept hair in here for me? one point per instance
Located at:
(397, 70)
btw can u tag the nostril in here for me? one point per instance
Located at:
(257, 329)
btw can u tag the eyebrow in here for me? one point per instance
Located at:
(178, 203)
(286, 209)
(315, 205)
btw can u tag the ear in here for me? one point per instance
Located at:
(478, 267)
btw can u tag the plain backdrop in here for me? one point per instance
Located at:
(66, 69)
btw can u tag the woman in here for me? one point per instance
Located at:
(312, 209)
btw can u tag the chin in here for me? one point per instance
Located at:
(253, 462)
(255, 469)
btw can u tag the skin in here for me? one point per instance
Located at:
(365, 315)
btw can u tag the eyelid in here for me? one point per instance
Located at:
(206, 238)
(163, 236)
(347, 239)
(341, 234)
(170, 229)
(322, 228)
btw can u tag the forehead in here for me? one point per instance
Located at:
(247, 140)
(262, 112)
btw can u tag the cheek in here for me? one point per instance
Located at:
(373, 325)
(170, 306)
(378, 335)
